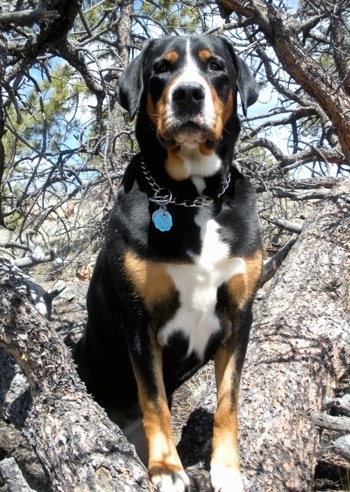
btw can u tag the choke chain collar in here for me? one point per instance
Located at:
(162, 197)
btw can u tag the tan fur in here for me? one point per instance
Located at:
(204, 55)
(242, 286)
(171, 56)
(224, 444)
(156, 421)
(149, 278)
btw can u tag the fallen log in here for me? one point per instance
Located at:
(299, 342)
(78, 447)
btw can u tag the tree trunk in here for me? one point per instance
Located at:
(78, 447)
(116, 135)
(299, 343)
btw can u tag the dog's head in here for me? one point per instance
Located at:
(188, 87)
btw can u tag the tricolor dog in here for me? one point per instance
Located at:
(174, 283)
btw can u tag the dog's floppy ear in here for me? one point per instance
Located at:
(246, 84)
(129, 87)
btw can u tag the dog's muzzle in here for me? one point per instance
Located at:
(188, 119)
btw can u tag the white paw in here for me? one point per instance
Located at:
(225, 479)
(167, 481)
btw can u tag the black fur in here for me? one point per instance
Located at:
(118, 318)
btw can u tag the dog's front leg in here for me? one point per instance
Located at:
(225, 470)
(164, 465)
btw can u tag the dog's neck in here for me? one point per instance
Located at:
(188, 170)
(192, 160)
(158, 192)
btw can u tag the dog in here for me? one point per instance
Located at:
(174, 282)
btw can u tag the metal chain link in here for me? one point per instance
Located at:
(166, 198)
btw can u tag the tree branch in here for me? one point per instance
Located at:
(274, 263)
(28, 17)
(280, 30)
(301, 195)
(340, 424)
(284, 224)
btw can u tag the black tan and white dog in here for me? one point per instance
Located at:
(174, 283)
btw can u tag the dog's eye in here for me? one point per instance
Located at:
(214, 66)
(161, 68)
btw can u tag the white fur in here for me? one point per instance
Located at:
(197, 164)
(171, 481)
(197, 284)
(199, 183)
(225, 479)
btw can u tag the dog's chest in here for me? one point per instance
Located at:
(197, 284)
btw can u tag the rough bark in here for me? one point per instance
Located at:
(299, 343)
(77, 445)
(116, 134)
(27, 17)
(12, 477)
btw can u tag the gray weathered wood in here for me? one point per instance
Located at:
(79, 448)
(12, 478)
(300, 340)
(342, 446)
(340, 424)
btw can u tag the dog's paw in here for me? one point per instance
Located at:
(225, 479)
(171, 481)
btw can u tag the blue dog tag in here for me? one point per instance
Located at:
(162, 220)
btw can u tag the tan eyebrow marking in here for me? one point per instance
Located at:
(171, 56)
(204, 54)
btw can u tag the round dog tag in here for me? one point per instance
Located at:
(162, 220)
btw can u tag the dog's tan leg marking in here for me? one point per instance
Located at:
(149, 278)
(164, 464)
(225, 468)
(154, 285)
(225, 471)
(242, 287)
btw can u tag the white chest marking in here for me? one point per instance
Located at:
(196, 163)
(197, 284)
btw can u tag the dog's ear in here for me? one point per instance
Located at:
(246, 84)
(129, 86)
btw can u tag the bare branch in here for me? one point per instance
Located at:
(340, 424)
(301, 195)
(274, 263)
(28, 17)
(284, 224)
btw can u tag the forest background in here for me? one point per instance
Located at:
(64, 144)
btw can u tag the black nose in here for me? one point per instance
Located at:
(189, 95)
